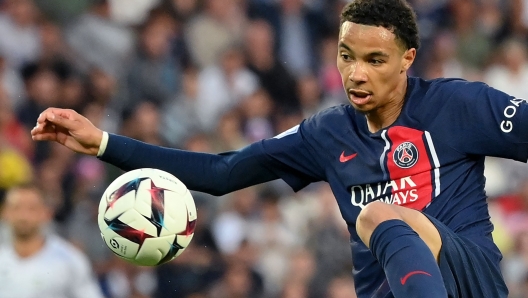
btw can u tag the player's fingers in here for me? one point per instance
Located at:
(42, 127)
(62, 119)
(47, 113)
(46, 136)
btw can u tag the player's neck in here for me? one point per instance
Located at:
(387, 114)
(27, 247)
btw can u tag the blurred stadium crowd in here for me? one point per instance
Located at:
(213, 76)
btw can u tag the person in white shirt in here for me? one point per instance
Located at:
(35, 263)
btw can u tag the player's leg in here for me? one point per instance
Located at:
(378, 212)
(407, 245)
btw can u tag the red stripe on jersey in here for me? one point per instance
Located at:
(409, 167)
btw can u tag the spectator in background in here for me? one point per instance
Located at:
(16, 168)
(443, 61)
(199, 266)
(103, 90)
(42, 87)
(229, 132)
(274, 240)
(514, 208)
(42, 84)
(491, 21)
(257, 111)
(53, 46)
(311, 98)
(341, 287)
(223, 86)
(35, 263)
(19, 35)
(131, 12)
(182, 10)
(154, 74)
(272, 74)
(142, 122)
(518, 17)
(12, 132)
(12, 84)
(180, 115)
(473, 46)
(515, 266)
(328, 76)
(510, 74)
(333, 257)
(219, 25)
(238, 281)
(299, 278)
(299, 35)
(98, 41)
(56, 180)
(298, 29)
(230, 227)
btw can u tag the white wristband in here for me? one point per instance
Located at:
(104, 143)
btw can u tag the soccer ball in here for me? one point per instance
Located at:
(147, 217)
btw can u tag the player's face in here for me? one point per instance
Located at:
(373, 67)
(26, 213)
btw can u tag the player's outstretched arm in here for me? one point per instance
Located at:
(211, 173)
(68, 128)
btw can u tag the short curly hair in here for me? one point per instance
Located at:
(396, 16)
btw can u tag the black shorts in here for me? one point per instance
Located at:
(467, 271)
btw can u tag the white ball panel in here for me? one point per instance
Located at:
(165, 180)
(153, 250)
(184, 240)
(135, 220)
(100, 221)
(119, 245)
(175, 214)
(121, 205)
(191, 206)
(144, 199)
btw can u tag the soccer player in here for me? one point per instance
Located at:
(405, 160)
(35, 263)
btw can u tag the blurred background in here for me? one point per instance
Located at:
(213, 76)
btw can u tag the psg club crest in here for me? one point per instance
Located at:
(405, 155)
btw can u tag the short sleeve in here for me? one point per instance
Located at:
(475, 118)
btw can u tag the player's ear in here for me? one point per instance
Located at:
(408, 59)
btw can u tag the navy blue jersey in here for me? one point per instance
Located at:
(431, 159)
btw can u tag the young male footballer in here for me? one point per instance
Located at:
(405, 161)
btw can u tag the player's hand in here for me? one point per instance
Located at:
(68, 128)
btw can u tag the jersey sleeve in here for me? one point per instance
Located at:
(478, 119)
(290, 157)
(283, 157)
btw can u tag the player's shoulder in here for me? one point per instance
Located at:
(444, 86)
(335, 120)
(330, 116)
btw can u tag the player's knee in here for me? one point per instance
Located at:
(371, 216)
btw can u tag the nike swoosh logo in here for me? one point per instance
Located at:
(404, 279)
(344, 158)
